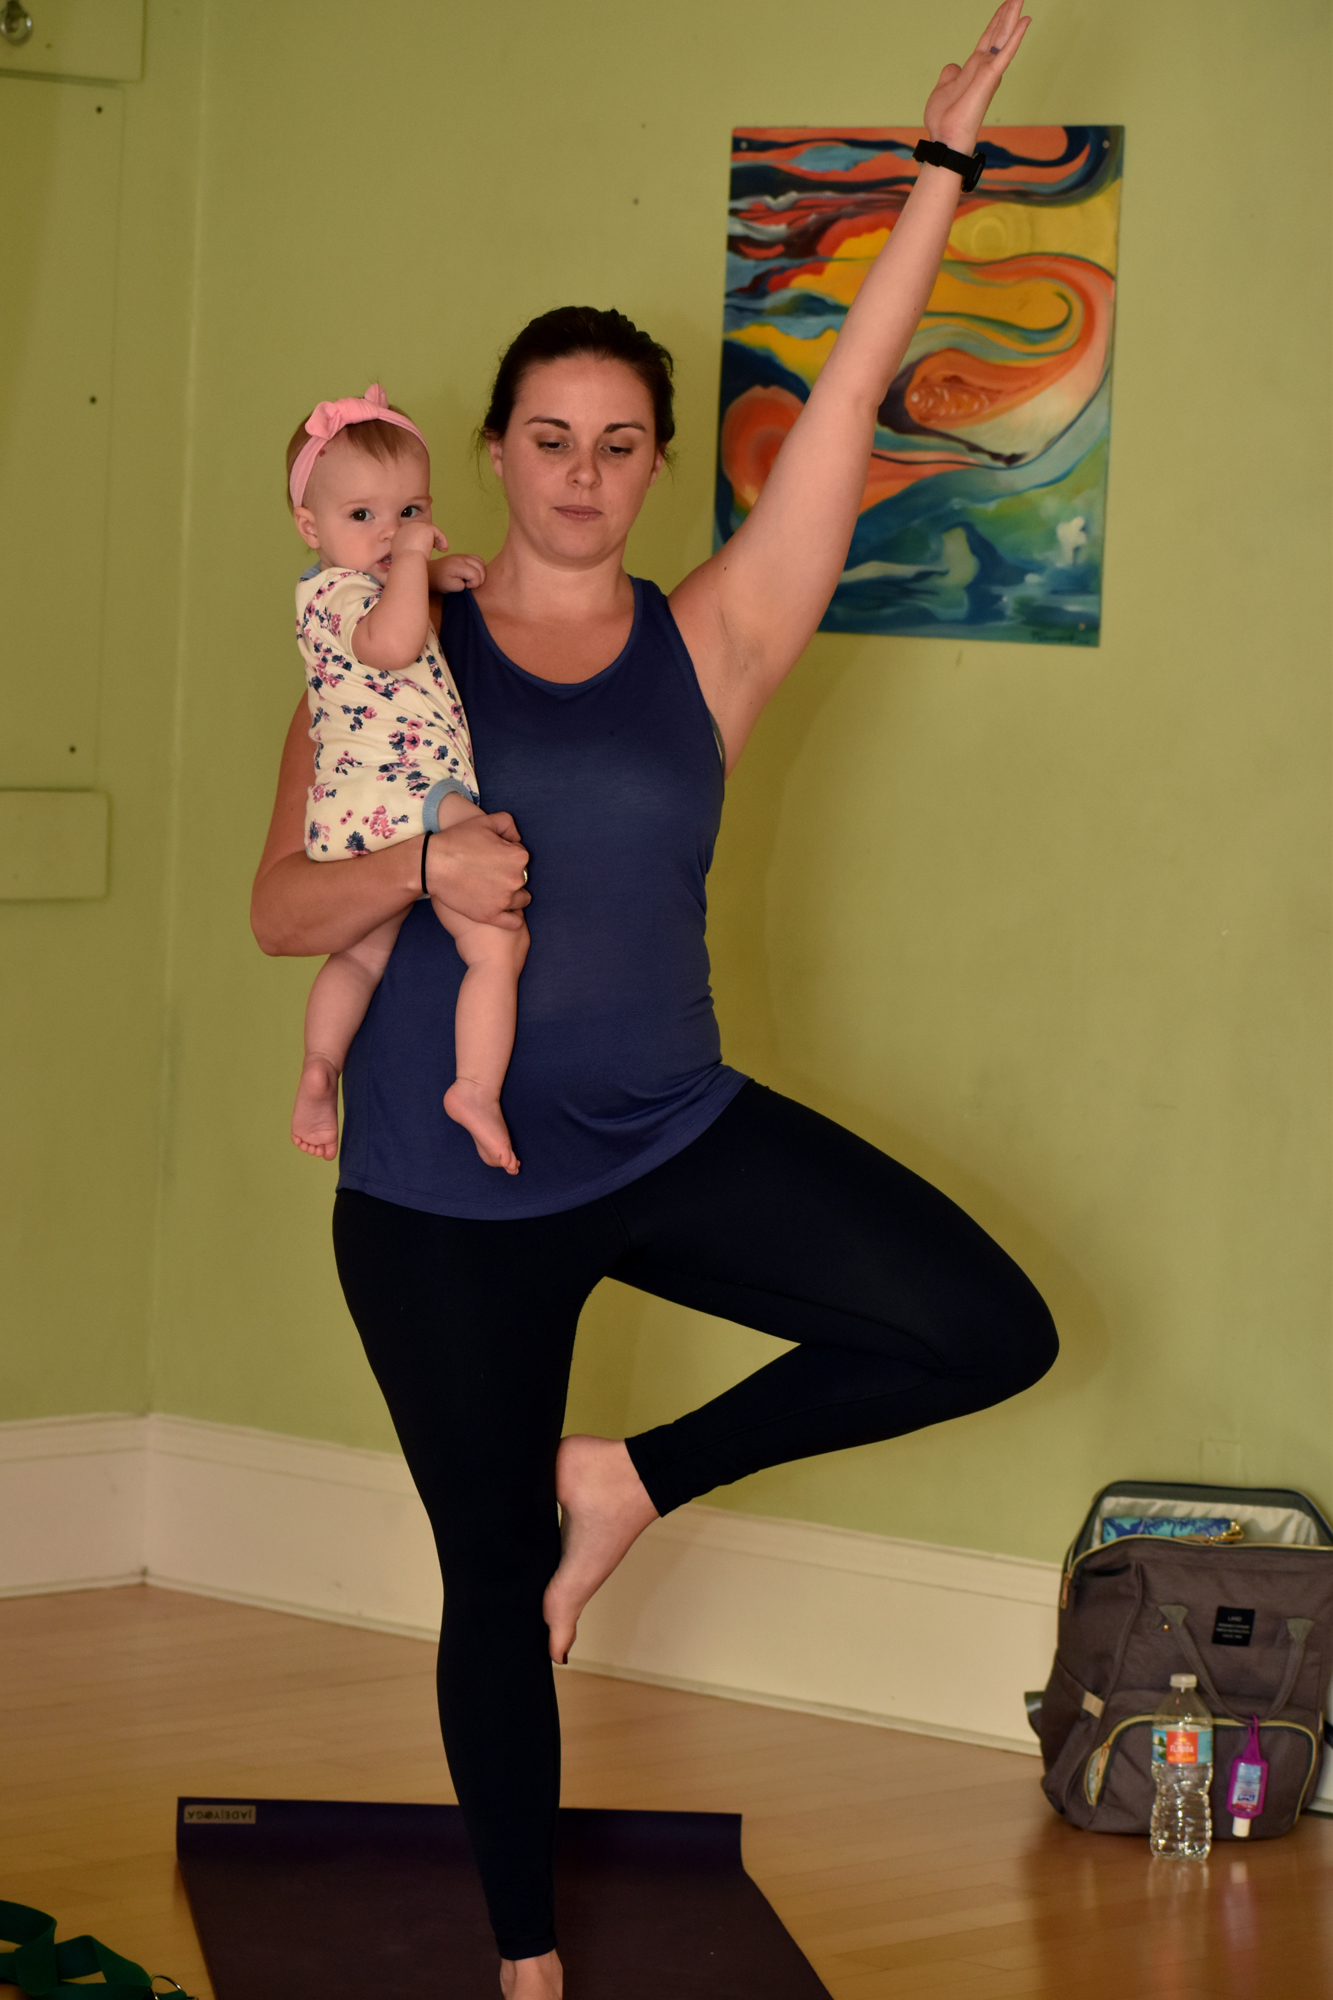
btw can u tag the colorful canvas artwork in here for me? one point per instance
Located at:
(984, 506)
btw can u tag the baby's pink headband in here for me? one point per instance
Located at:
(327, 419)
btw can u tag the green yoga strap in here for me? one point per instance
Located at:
(41, 1967)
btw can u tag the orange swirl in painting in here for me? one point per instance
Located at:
(1007, 411)
(1011, 410)
(752, 433)
(759, 419)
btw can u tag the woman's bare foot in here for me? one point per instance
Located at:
(478, 1112)
(315, 1114)
(603, 1511)
(532, 1978)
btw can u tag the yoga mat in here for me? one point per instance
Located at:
(303, 1899)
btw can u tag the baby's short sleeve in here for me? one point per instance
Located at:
(329, 607)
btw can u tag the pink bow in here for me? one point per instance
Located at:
(327, 419)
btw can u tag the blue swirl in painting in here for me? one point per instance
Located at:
(984, 506)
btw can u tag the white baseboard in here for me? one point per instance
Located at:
(72, 1503)
(288, 1524)
(906, 1635)
(782, 1612)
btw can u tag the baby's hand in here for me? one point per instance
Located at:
(418, 538)
(457, 573)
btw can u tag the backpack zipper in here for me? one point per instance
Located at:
(1233, 1548)
(1095, 1769)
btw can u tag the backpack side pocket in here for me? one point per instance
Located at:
(1063, 1704)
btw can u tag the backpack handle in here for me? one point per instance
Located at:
(1298, 1631)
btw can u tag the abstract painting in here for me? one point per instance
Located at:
(984, 507)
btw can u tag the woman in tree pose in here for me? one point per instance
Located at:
(602, 715)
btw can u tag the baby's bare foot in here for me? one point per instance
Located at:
(315, 1116)
(604, 1508)
(478, 1112)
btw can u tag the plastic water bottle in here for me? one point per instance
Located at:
(1182, 1768)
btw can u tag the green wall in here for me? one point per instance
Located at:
(86, 1036)
(1049, 924)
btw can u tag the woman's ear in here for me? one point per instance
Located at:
(305, 526)
(496, 448)
(659, 460)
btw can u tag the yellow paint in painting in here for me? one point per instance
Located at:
(840, 278)
(1037, 305)
(1041, 305)
(989, 234)
(803, 357)
(1013, 229)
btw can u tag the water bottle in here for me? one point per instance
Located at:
(1182, 1768)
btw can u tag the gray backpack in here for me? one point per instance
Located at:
(1249, 1611)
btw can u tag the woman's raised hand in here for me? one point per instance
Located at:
(959, 101)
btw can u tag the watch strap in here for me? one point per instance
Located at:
(936, 154)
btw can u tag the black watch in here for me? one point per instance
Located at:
(936, 154)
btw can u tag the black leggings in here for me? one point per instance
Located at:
(905, 1311)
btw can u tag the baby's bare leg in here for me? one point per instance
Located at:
(343, 989)
(484, 1030)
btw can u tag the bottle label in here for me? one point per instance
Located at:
(1181, 1745)
(1246, 1788)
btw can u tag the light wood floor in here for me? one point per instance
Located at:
(904, 1866)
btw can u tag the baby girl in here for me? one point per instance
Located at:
(392, 755)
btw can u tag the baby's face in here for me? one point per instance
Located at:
(355, 504)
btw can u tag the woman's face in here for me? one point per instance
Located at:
(578, 457)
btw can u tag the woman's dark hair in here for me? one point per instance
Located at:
(609, 336)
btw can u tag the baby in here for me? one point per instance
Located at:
(393, 758)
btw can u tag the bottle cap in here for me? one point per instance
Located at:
(1184, 1680)
(1240, 1829)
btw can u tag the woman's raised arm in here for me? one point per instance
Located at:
(301, 908)
(747, 613)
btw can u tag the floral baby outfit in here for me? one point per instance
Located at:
(388, 746)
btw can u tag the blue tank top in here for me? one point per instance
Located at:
(616, 787)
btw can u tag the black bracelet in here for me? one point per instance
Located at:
(424, 845)
(936, 154)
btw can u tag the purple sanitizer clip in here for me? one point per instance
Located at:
(1249, 1782)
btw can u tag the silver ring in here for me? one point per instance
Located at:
(525, 878)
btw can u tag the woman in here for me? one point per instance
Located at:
(601, 713)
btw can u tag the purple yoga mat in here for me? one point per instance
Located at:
(304, 1899)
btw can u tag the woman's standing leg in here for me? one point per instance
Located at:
(469, 1327)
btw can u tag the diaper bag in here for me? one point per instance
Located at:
(1246, 1606)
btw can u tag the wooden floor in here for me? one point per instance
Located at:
(904, 1866)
